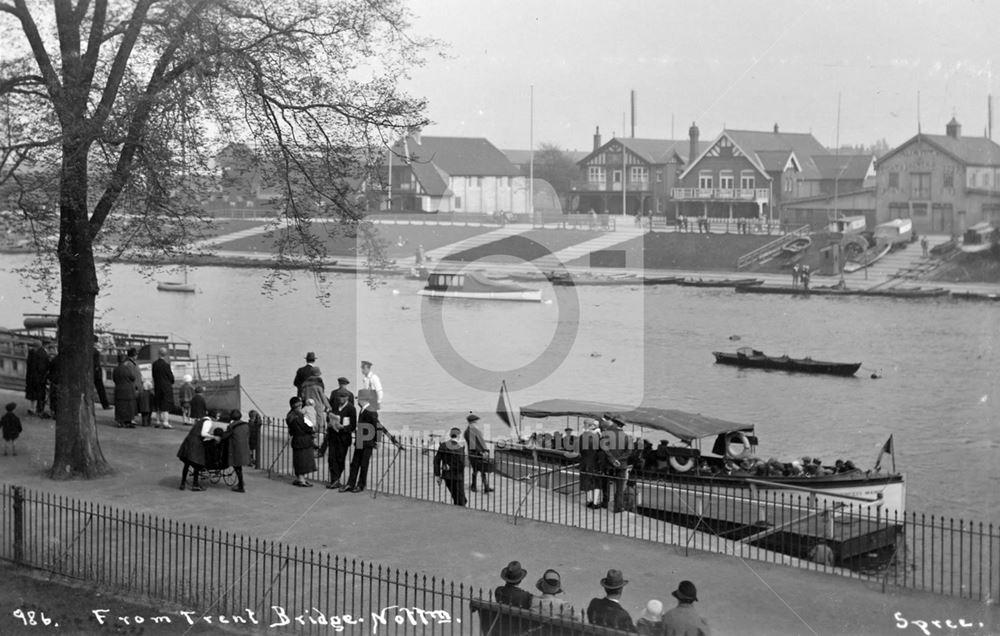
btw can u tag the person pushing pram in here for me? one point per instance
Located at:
(202, 449)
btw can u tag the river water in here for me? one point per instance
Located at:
(938, 361)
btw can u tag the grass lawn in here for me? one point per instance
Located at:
(527, 246)
(431, 237)
(688, 250)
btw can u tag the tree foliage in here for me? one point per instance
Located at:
(113, 111)
(556, 166)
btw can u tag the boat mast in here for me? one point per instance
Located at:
(531, 157)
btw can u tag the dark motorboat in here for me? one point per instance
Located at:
(616, 281)
(749, 357)
(725, 282)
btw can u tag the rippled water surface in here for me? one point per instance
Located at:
(938, 360)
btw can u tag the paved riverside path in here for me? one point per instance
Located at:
(737, 596)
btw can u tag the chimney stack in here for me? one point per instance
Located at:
(597, 138)
(775, 128)
(693, 147)
(953, 129)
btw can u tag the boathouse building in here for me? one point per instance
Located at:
(944, 183)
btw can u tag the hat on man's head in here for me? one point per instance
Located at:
(653, 612)
(131, 352)
(455, 432)
(471, 417)
(10, 406)
(366, 363)
(550, 583)
(686, 592)
(513, 573)
(294, 401)
(311, 357)
(614, 580)
(199, 389)
(342, 380)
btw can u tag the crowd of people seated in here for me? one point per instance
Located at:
(606, 611)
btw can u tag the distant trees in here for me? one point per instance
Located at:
(111, 109)
(556, 166)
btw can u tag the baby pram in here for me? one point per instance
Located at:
(206, 450)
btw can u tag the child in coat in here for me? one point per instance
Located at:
(186, 395)
(10, 425)
(145, 400)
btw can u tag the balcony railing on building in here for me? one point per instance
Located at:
(721, 194)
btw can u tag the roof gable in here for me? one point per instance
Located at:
(971, 151)
(847, 167)
(724, 145)
(651, 151)
(458, 156)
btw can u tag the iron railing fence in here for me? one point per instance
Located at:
(207, 575)
(913, 550)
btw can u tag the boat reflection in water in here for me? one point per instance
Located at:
(475, 285)
(706, 475)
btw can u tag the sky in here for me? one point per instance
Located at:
(718, 63)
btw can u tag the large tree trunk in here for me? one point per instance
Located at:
(78, 452)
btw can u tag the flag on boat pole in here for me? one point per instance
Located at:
(889, 448)
(505, 411)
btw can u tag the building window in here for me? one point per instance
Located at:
(726, 180)
(458, 202)
(659, 176)
(616, 176)
(638, 174)
(789, 183)
(920, 185)
(595, 174)
(985, 178)
(949, 179)
(747, 181)
(705, 180)
(894, 180)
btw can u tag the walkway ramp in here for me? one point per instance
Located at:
(602, 242)
(440, 253)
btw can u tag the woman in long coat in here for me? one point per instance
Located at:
(35, 377)
(125, 380)
(238, 435)
(192, 453)
(312, 387)
(303, 447)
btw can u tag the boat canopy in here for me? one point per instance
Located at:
(680, 424)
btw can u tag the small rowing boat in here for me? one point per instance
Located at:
(751, 358)
(474, 285)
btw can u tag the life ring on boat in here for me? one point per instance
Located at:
(681, 464)
(734, 438)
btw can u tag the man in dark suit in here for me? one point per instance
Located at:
(449, 466)
(615, 451)
(366, 434)
(340, 421)
(510, 593)
(304, 372)
(479, 452)
(590, 466)
(608, 611)
(163, 389)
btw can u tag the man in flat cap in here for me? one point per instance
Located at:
(371, 382)
(366, 436)
(479, 453)
(449, 466)
(341, 389)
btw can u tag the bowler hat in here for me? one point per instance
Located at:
(513, 573)
(343, 380)
(686, 592)
(471, 417)
(550, 583)
(310, 357)
(614, 580)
